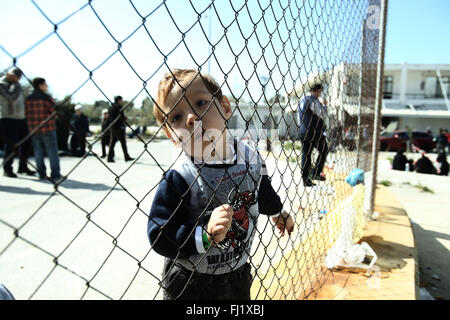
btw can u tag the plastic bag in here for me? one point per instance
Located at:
(355, 177)
(354, 255)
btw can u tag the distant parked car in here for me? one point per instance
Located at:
(394, 141)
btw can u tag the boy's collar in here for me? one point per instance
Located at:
(220, 163)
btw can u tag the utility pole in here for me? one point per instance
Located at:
(378, 103)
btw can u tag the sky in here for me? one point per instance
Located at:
(251, 42)
(418, 31)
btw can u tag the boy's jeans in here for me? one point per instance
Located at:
(181, 284)
(48, 142)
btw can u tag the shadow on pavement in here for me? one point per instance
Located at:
(74, 184)
(391, 255)
(21, 190)
(434, 261)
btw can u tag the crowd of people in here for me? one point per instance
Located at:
(36, 114)
(423, 165)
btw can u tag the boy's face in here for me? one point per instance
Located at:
(195, 118)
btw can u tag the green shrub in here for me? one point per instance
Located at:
(386, 183)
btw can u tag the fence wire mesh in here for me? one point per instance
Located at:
(85, 235)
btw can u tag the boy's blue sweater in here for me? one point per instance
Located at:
(187, 195)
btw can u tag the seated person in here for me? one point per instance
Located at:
(424, 165)
(442, 161)
(400, 161)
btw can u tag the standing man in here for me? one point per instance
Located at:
(106, 135)
(80, 127)
(40, 111)
(410, 139)
(311, 115)
(117, 118)
(441, 141)
(13, 125)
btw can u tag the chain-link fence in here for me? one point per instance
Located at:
(141, 225)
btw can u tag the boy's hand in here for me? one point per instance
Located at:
(219, 223)
(284, 222)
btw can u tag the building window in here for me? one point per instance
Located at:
(431, 87)
(388, 85)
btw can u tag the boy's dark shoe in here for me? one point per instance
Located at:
(309, 183)
(111, 160)
(129, 159)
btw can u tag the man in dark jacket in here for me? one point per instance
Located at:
(441, 141)
(311, 115)
(117, 129)
(105, 131)
(13, 125)
(80, 128)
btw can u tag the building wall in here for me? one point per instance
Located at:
(396, 80)
(414, 80)
(422, 124)
(411, 79)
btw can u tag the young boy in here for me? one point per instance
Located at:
(205, 209)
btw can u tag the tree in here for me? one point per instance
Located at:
(146, 113)
(101, 104)
(92, 112)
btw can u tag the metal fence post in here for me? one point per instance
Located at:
(360, 90)
(378, 102)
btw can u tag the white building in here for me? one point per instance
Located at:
(416, 95)
(342, 90)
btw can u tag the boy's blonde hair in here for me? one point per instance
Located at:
(175, 76)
